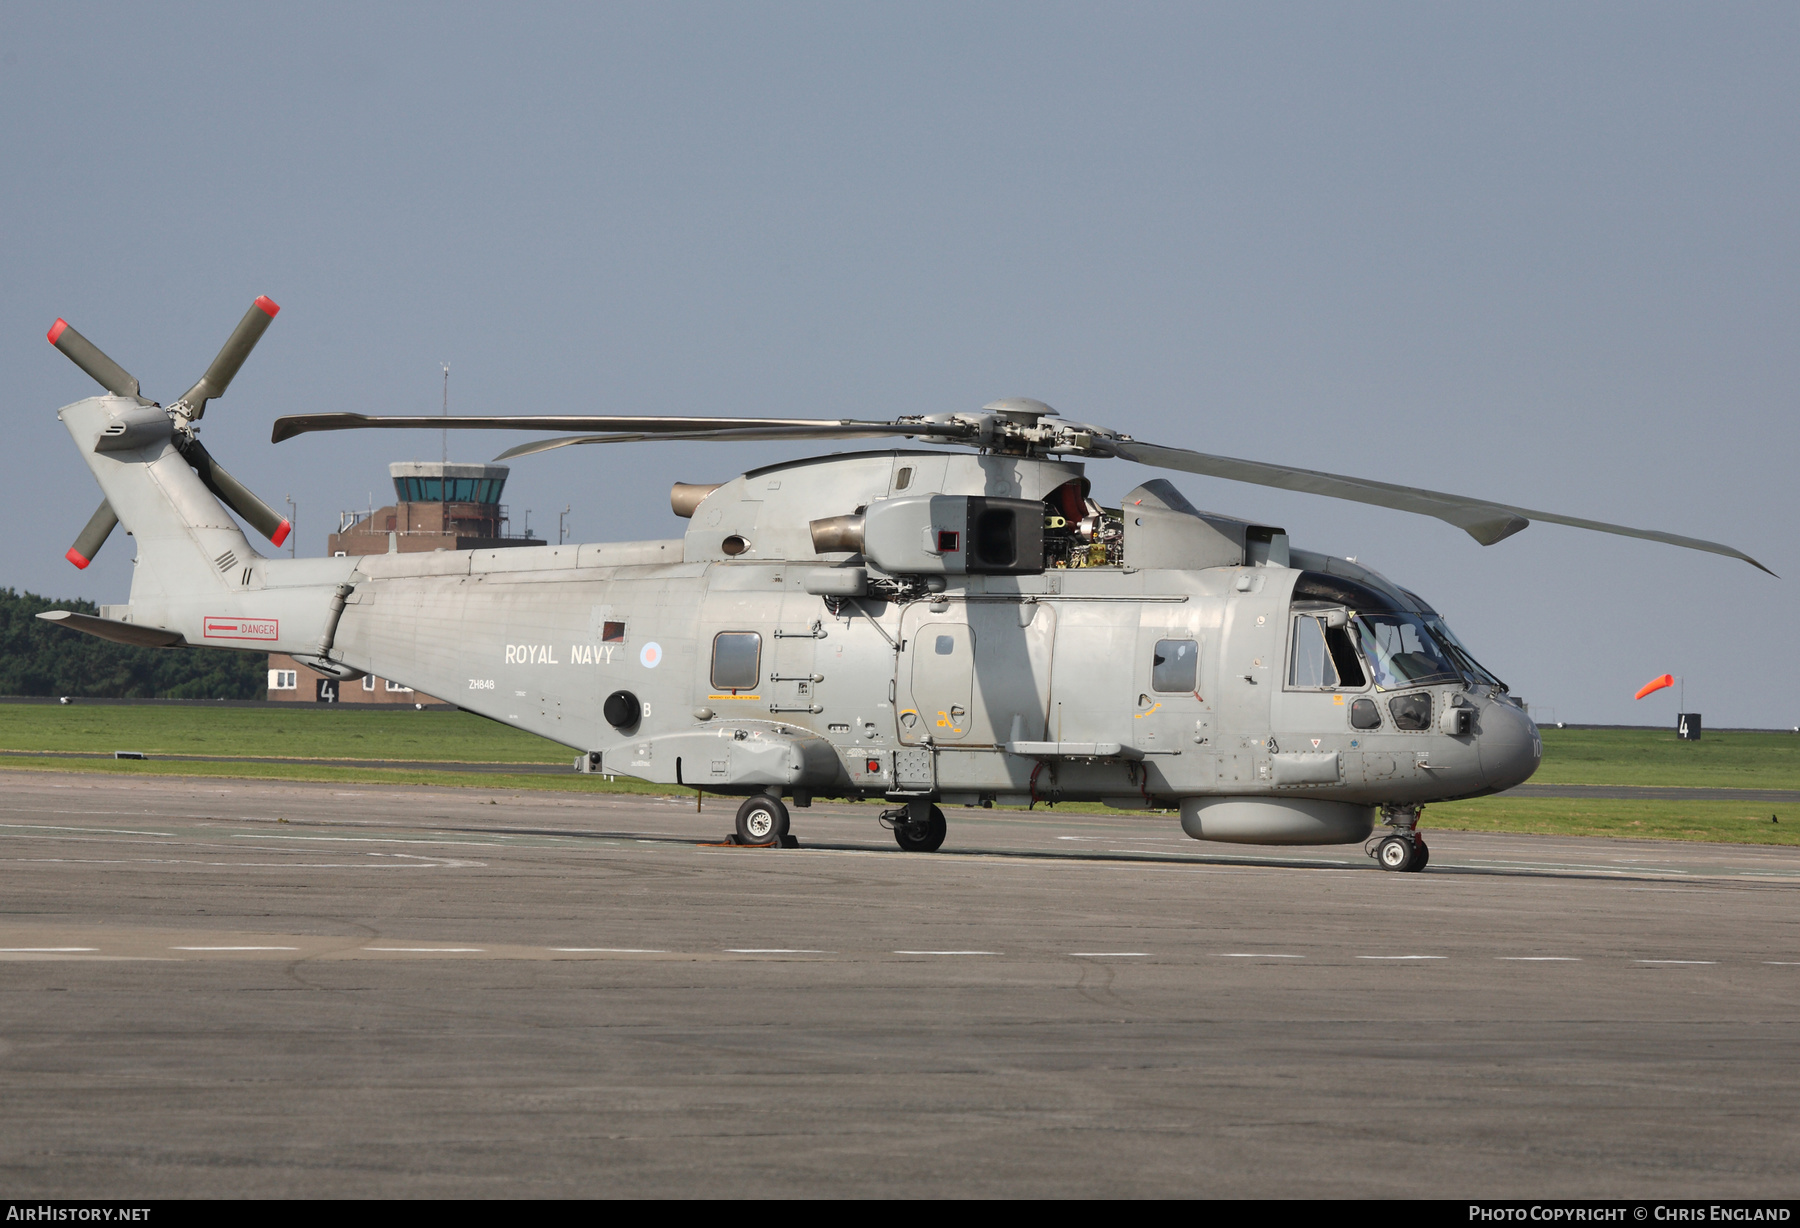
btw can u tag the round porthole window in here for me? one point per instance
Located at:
(735, 545)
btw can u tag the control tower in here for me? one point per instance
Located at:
(439, 505)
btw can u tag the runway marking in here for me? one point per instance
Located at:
(609, 950)
(430, 950)
(1256, 955)
(234, 948)
(42, 950)
(100, 831)
(775, 951)
(258, 835)
(1403, 957)
(1542, 959)
(946, 952)
(1676, 961)
(1109, 954)
(1783, 963)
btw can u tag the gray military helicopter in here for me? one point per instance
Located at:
(925, 626)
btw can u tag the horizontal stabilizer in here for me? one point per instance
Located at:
(117, 632)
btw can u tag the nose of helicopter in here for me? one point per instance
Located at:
(1509, 745)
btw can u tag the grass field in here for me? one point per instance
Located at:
(1571, 756)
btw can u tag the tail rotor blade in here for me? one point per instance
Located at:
(224, 368)
(88, 356)
(99, 527)
(237, 496)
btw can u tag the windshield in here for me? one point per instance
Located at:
(1401, 651)
(1440, 630)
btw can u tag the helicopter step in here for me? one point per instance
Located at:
(1404, 850)
(918, 827)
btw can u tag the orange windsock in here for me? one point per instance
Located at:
(1655, 684)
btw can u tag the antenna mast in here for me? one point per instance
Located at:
(445, 457)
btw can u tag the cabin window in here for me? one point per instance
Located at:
(736, 661)
(1365, 715)
(1175, 666)
(903, 479)
(612, 632)
(1322, 657)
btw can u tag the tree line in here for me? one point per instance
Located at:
(40, 658)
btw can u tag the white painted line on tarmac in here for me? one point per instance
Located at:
(775, 951)
(1255, 955)
(1109, 954)
(43, 950)
(1783, 963)
(946, 952)
(432, 950)
(1676, 961)
(1403, 957)
(1542, 959)
(234, 948)
(97, 831)
(610, 950)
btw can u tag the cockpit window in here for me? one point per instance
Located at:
(1322, 658)
(1401, 651)
(1453, 647)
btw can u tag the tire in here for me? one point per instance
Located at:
(1395, 853)
(926, 837)
(1421, 856)
(761, 820)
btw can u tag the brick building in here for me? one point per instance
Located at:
(438, 505)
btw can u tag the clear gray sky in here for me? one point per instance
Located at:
(1543, 253)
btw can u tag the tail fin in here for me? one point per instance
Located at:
(188, 546)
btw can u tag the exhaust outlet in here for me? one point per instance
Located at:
(685, 497)
(837, 533)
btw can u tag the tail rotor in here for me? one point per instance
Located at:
(182, 416)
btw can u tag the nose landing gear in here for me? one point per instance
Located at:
(918, 826)
(1403, 851)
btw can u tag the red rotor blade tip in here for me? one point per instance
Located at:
(281, 533)
(269, 306)
(74, 556)
(56, 329)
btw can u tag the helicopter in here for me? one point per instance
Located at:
(959, 623)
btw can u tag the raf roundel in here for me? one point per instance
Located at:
(651, 656)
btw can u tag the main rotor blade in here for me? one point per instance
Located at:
(647, 425)
(86, 355)
(844, 430)
(99, 527)
(235, 495)
(1485, 521)
(224, 368)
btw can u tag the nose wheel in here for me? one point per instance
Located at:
(1404, 851)
(1399, 853)
(916, 829)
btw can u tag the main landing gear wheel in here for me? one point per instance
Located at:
(762, 820)
(925, 837)
(1399, 853)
